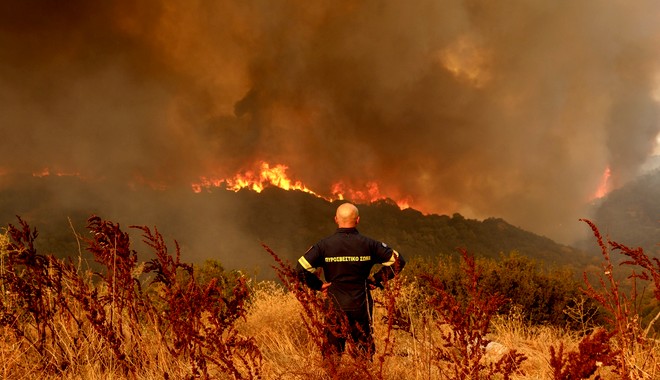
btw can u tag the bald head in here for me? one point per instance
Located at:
(347, 216)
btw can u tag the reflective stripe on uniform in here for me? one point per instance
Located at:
(392, 259)
(305, 264)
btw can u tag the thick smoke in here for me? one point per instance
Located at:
(509, 109)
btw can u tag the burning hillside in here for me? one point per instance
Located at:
(265, 175)
(444, 106)
(230, 225)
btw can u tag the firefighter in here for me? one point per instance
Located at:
(347, 258)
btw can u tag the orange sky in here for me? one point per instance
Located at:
(457, 106)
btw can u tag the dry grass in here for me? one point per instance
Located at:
(168, 326)
(275, 322)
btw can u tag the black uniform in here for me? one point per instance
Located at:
(347, 258)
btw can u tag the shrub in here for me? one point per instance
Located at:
(198, 321)
(594, 352)
(542, 295)
(467, 310)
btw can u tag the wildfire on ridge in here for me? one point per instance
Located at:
(604, 185)
(254, 180)
(266, 175)
(370, 194)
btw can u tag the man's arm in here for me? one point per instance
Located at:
(307, 275)
(390, 269)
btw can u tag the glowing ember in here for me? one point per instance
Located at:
(45, 172)
(603, 187)
(266, 175)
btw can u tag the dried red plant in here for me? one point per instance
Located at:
(468, 320)
(594, 351)
(198, 321)
(318, 316)
(44, 296)
(624, 321)
(34, 294)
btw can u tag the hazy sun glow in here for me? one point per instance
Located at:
(466, 60)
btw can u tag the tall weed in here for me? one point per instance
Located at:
(624, 345)
(63, 316)
(464, 323)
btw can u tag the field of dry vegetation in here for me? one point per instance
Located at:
(166, 319)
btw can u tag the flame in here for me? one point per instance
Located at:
(45, 172)
(370, 193)
(266, 175)
(255, 180)
(604, 186)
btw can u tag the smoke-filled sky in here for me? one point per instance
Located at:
(511, 109)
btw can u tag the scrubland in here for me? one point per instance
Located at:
(460, 318)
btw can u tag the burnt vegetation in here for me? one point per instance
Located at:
(164, 318)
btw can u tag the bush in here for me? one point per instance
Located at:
(543, 296)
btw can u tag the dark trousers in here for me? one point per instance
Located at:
(353, 325)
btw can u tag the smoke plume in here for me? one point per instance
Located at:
(509, 109)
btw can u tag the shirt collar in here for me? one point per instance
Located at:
(350, 230)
